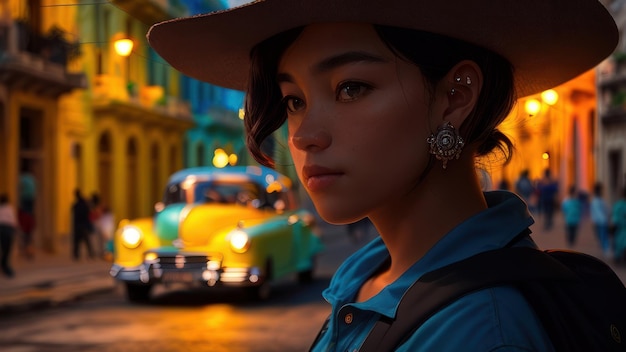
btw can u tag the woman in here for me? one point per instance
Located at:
(385, 121)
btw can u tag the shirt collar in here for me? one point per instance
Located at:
(506, 216)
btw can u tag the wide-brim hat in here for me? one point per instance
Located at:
(548, 41)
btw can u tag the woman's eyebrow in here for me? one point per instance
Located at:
(346, 58)
(335, 61)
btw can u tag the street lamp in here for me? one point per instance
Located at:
(123, 47)
(533, 106)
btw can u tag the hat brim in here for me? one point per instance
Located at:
(548, 42)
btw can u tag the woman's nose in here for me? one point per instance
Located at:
(311, 134)
(311, 141)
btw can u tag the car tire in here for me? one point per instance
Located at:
(263, 291)
(306, 276)
(138, 293)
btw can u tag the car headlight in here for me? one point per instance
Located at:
(131, 237)
(239, 241)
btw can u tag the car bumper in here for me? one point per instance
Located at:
(209, 274)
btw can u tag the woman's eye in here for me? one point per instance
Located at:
(350, 91)
(293, 104)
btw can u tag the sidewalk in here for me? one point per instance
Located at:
(55, 279)
(586, 241)
(52, 279)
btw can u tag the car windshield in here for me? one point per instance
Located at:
(243, 193)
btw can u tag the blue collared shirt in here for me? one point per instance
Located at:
(494, 319)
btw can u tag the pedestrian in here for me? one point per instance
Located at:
(26, 221)
(82, 226)
(572, 209)
(26, 209)
(95, 213)
(548, 190)
(618, 219)
(504, 185)
(28, 188)
(600, 212)
(386, 121)
(8, 229)
(525, 189)
(106, 224)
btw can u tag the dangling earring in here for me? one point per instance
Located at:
(447, 144)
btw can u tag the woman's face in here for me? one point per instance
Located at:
(358, 120)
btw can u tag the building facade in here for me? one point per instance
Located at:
(77, 113)
(555, 130)
(611, 161)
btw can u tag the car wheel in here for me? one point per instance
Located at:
(263, 291)
(306, 276)
(138, 293)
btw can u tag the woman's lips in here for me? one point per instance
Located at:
(318, 178)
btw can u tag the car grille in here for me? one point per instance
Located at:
(183, 262)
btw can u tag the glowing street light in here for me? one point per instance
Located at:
(220, 158)
(533, 106)
(550, 96)
(123, 47)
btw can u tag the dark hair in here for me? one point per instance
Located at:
(4, 198)
(433, 54)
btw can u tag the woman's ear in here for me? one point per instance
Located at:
(460, 89)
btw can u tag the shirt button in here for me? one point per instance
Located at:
(348, 318)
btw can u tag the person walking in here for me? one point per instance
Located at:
(524, 187)
(548, 190)
(95, 216)
(82, 227)
(600, 213)
(8, 229)
(387, 106)
(572, 209)
(618, 219)
(26, 223)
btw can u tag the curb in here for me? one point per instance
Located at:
(52, 293)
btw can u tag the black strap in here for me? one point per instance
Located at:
(439, 288)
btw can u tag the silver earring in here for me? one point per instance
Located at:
(468, 80)
(457, 79)
(452, 91)
(447, 144)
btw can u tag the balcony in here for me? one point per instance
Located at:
(614, 115)
(114, 95)
(35, 63)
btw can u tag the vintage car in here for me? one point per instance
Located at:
(238, 226)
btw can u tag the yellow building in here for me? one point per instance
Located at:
(554, 130)
(80, 113)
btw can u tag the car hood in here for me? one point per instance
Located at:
(197, 224)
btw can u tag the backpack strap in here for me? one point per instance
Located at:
(439, 288)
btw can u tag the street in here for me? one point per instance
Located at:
(175, 321)
(188, 320)
(184, 320)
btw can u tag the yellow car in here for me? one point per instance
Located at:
(237, 226)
